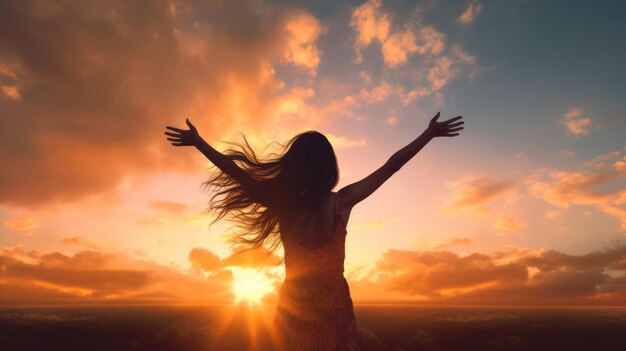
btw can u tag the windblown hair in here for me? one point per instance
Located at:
(292, 181)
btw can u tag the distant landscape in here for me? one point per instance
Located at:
(242, 328)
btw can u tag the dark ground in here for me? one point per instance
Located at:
(383, 328)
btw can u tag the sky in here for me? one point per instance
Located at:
(527, 206)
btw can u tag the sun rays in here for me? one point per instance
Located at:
(250, 285)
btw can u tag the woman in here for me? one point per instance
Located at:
(288, 200)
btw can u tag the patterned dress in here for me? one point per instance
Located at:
(314, 309)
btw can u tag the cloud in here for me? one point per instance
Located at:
(454, 241)
(552, 260)
(437, 273)
(470, 14)
(434, 63)
(607, 156)
(425, 40)
(303, 31)
(204, 259)
(23, 224)
(500, 277)
(561, 188)
(170, 207)
(80, 241)
(370, 23)
(10, 92)
(376, 94)
(508, 224)
(475, 192)
(504, 277)
(90, 276)
(397, 47)
(575, 122)
(87, 94)
(255, 258)
(599, 187)
(446, 68)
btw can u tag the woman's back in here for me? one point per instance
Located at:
(315, 311)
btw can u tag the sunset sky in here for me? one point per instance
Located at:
(526, 206)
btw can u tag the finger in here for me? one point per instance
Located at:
(178, 140)
(436, 117)
(455, 129)
(451, 134)
(178, 144)
(189, 124)
(173, 134)
(452, 125)
(175, 129)
(453, 119)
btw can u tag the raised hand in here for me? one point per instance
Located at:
(181, 137)
(444, 128)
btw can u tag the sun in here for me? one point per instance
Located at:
(250, 285)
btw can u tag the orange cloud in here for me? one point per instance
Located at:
(90, 276)
(438, 63)
(303, 30)
(499, 278)
(80, 241)
(260, 257)
(599, 188)
(94, 105)
(595, 278)
(425, 40)
(475, 192)
(508, 224)
(370, 24)
(436, 273)
(171, 207)
(440, 244)
(470, 14)
(566, 188)
(376, 94)
(575, 122)
(11, 92)
(204, 259)
(23, 224)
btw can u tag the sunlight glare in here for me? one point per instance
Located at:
(250, 285)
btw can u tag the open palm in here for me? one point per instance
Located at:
(181, 137)
(449, 128)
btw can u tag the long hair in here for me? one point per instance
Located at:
(292, 181)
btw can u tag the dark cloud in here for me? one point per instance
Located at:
(514, 277)
(90, 276)
(89, 86)
(549, 261)
(436, 272)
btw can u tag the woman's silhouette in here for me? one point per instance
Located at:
(287, 199)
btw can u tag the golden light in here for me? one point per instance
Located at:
(250, 285)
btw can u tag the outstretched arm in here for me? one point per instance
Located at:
(190, 137)
(359, 191)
